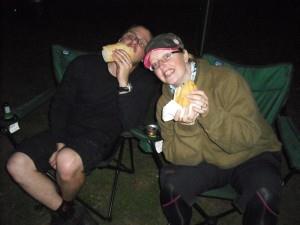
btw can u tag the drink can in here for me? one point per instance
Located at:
(152, 130)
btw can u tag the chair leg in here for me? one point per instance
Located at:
(211, 220)
(108, 216)
(289, 176)
(115, 182)
(132, 170)
(117, 168)
(208, 220)
(4, 131)
(121, 166)
(12, 140)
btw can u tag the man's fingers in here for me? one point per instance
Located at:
(121, 56)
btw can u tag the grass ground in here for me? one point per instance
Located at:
(137, 199)
(136, 203)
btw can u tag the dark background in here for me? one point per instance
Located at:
(243, 31)
(248, 32)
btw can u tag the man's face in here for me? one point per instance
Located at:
(137, 38)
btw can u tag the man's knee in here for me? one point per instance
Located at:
(69, 164)
(18, 165)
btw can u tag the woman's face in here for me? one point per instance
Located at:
(170, 66)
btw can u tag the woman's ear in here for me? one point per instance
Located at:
(185, 56)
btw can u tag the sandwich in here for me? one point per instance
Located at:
(107, 51)
(182, 91)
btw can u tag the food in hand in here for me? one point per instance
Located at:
(182, 91)
(107, 51)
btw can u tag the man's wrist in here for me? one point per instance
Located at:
(125, 89)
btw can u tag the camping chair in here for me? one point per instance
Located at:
(270, 86)
(62, 56)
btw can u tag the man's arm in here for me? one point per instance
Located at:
(136, 105)
(63, 101)
(137, 88)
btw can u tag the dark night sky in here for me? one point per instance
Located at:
(247, 31)
(234, 24)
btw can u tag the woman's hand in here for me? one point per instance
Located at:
(186, 115)
(199, 102)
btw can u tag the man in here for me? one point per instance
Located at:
(219, 138)
(93, 104)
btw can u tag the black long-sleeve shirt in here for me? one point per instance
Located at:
(88, 100)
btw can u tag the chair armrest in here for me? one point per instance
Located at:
(139, 134)
(143, 139)
(290, 137)
(26, 108)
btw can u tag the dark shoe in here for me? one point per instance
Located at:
(78, 217)
(89, 220)
(56, 219)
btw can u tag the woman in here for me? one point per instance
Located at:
(219, 138)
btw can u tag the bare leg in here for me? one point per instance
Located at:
(35, 183)
(69, 173)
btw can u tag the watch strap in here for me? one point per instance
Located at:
(125, 90)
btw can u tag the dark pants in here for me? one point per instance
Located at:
(92, 147)
(187, 182)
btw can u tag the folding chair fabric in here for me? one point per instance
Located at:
(290, 137)
(26, 108)
(61, 57)
(269, 84)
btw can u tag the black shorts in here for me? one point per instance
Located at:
(92, 147)
(190, 181)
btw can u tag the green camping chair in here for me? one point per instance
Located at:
(270, 86)
(61, 57)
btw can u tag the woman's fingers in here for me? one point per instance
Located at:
(186, 115)
(199, 101)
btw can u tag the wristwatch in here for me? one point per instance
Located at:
(125, 90)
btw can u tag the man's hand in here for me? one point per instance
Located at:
(52, 159)
(199, 102)
(124, 66)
